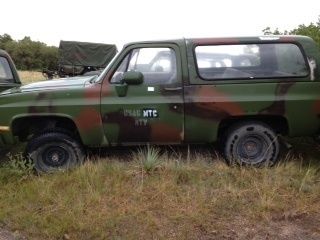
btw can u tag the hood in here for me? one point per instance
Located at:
(62, 83)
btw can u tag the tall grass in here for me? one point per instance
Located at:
(164, 194)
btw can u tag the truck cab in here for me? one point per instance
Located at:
(9, 77)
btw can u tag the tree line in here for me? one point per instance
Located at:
(312, 30)
(28, 54)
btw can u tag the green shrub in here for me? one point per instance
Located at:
(17, 167)
(149, 158)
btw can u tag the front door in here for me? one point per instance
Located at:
(151, 112)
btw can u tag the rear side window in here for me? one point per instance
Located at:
(5, 71)
(250, 61)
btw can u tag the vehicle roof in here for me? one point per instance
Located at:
(229, 40)
(257, 39)
(181, 40)
(3, 53)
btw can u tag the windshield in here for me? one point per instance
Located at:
(104, 72)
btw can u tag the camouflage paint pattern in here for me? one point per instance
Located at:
(188, 111)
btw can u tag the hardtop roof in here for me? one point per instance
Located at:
(228, 40)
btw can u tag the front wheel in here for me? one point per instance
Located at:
(251, 143)
(54, 151)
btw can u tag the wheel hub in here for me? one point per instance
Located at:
(251, 149)
(55, 156)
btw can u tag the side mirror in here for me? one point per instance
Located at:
(121, 89)
(132, 78)
(128, 78)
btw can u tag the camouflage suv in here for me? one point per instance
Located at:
(241, 92)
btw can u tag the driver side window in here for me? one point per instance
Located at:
(158, 66)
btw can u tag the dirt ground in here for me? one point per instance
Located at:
(6, 235)
(299, 227)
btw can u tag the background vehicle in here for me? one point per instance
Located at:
(8, 74)
(240, 92)
(82, 58)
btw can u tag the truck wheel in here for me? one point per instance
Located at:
(54, 151)
(251, 143)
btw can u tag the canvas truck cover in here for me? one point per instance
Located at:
(86, 54)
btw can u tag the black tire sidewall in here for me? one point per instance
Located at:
(38, 144)
(239, 132)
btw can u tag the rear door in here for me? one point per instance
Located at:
(151, 111)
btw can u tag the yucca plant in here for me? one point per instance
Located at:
(149, 158)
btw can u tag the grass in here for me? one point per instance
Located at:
(165, 194)
(30, 76)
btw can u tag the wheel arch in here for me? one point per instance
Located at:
(25, 125)
(278, 123)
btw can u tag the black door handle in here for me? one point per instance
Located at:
(173, 88)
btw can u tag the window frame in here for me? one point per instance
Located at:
(129, 50)
(258, 79)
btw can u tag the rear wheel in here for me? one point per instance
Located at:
(54, 151)
(251, 143)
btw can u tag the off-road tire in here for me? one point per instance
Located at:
(251, 144)
(53, 151)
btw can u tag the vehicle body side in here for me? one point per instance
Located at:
(191, 110)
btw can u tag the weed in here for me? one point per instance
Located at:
(17, 167)
(149, 158)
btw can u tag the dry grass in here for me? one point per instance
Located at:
(30, 76)
(183, 196)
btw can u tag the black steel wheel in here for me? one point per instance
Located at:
(251, 143)
(54, 151)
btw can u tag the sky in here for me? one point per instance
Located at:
(122, 21)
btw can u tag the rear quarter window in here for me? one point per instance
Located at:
(250, 61)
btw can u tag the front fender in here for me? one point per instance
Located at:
(88, 124)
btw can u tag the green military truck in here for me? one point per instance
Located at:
(8, 74)
(81, 58)
(242, 92)
(84, 58)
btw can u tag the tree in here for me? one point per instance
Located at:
(4, 39)
(312, 30)
(267, 31)
(30, 55)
